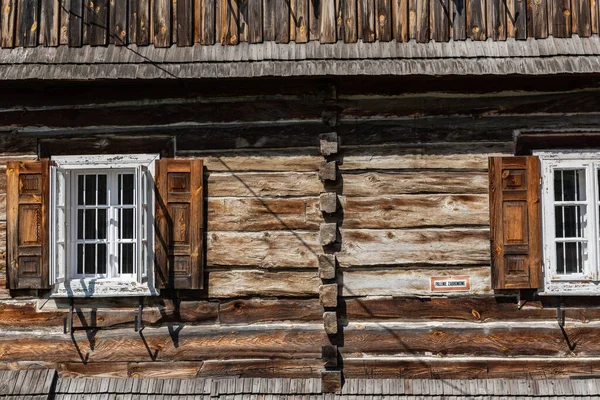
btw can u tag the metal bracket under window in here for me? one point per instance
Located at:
(68, 322)
(560, 314)
(138, 319)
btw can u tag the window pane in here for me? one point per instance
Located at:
(102, 258)
(80, 189)
(569, 185)
(90, 259)
(127, 224)
(102, 223)
(90, 190)
(102, 192)
(79, 224)
(570, 221)
(90, 224)
(80, 259)
(127, 188)
(570, 257)
(126, 258)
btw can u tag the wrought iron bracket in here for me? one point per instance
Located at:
(138, 319)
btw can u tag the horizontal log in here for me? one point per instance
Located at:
(479, 309)
(257, 160)
(362, 247)
(445, 155)
(268, 249)
(255, 184)
(446, 339)
(166, 344)
(251, 311)
(93, 369)
(224, 284)
(410, 211)
(260, 214)
(386, 183)
(410, 282)
(472, 368)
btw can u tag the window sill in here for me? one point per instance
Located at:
(87, 288)
(571, 288)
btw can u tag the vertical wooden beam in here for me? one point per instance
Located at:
(582, 17)
(207, 17)
(132, 21)
(440, 20)
(229, 22)
(28, 23)
(299, 19)
(559, 24)
(476, 19)
(76, 23)
(243, 22)
(282, 21)
(516, 19)
(314, 11)
(255, 21)
(400, 20)
(367, 20)
(350, 30)
(197, 19)
(539, 18)
(50, 22)
(594, 16)
(119, 23)
(63, 37)
(98, 22)
(384, 20)
(162, 23)
(7, 22)
(339, 20)
(144, 23)
(496, 17)
(328, 23)
(185, 22)
(270, 7)
(174, 23)
(459, 20)
(422, 22)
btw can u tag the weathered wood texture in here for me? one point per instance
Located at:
(29, 22)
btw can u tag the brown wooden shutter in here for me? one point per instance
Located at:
(27, 202)
(179, 224)
(515, 223)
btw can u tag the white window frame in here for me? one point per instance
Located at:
(588, 282)
(62, 249)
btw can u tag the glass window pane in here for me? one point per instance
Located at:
(127, 224)
(570, 221)
(102, 258)
(90, 190)
(569, 185)
(80, 224)
(574, 257)
(80, 188)
(80, 259)
(90, 259)
(126, 258)
(102, 224)
(90, 224)
(127, 188)
(102, 189)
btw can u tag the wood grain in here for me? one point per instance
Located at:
(349, 12)
(384, 20)
(496, 17)
(560, 18)
(400, 20)
(208, 22)
(516, 19)
(28, 23)
(7, 23)
(185, 22)
(539, 19)
(50, 23)
(162, 23)
(263, 184)
(476, 23)
(459, 20)
(328, 22)
(299, 18)
(227, 284)
(258, 311)
(440, 20)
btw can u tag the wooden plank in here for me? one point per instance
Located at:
(440, 20)
(414, 211)
(185, 22)
(50, 23)
(516, 19)
(384, 20)
(582, 17)
(339, 19)
(76, 23)
(282, 21)
(258, 311)
(367, 22)
(422, 21)
(270, 23)
(162, 23)
(594, 15)
(118, 33)
(208, 22)
(539, 20)
(132, 21)
(314, 19)
(476, 24)
(263, 184)
(400, 20)
(496, 17)
(7, 22)
(263, 214)
(350, 21)
(64, 22)
(197, 20)
(28, 23)
(560, 18)
(243, 20)
(144, 23)
(227, 284)
(268, 249)
(267, 368)
(459, 20)
(98, 28)
(460, 246)
(255, 21)
(299, 16)
(266, 160)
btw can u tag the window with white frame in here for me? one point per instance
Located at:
(101, 230)
(570, 220)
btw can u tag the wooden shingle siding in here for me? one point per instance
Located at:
(29, 23)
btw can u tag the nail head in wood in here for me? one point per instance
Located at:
(329, 143)
(326, 266)
(328, 295)
(330, 322)
(329, 354)
(328, 233)
(328, 202)
(328, 171)
(331, 381)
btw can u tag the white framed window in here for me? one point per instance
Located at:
(101, 225)
(571, 222)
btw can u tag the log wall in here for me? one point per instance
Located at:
(412, 204)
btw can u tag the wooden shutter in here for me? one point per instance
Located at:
(515, 223)
(179, 224)
(27, 201)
